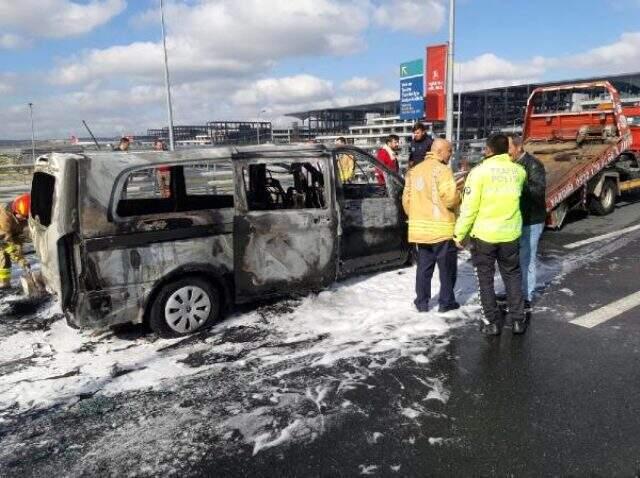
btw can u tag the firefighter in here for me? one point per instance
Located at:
(430, 200)
(13, 223)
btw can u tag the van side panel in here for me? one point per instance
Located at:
(122, 270)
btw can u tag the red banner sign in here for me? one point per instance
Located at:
(436, 79)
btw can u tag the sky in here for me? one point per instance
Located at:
(101, 60)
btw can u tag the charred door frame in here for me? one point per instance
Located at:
(263, 239)
(56, 242)
(366, 260)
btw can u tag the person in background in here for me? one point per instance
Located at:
(534, 214)
(159, 145)
(430, 200)
(490, 214)
(13, 225)
(124, 144)
(420, 144)
(388, 155)
(346, 163)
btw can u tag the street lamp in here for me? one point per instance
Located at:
(258, 128)
(452, 22)
(167, 80)
(33, 135)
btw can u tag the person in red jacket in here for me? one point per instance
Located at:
(388, 156)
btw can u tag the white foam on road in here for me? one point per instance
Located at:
(367, 316)
(608, 312)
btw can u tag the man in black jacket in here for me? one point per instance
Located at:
(420, 144)
(534, 214)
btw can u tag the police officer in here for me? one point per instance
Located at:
(490, 215)
(420, 144)
(13, 222)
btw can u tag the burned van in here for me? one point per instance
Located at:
(175, 239)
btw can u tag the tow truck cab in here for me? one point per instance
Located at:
(176, 238)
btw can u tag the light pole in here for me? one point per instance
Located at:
(33, 135)
(167, 80)
(258, 126)
(459, 109)
(452, 22)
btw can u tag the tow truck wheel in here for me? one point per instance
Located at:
(183, 307)
(559, 215)
(606, 203)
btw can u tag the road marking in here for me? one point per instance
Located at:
(575, 245)
(608, 312)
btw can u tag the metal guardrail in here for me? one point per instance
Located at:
(15, 179)
(9, 167)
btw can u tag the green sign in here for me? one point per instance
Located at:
(411, 68)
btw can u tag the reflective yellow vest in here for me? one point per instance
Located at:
(490, 208)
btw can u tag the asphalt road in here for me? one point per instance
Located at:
(558, 401)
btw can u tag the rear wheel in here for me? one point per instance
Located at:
(606, 202)
(184, 306)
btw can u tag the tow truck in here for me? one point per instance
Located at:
(585, 140)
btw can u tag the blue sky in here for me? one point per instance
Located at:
(100, 60)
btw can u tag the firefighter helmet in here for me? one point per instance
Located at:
(22, 205)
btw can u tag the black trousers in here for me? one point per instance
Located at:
(445, 255)
(507, 255)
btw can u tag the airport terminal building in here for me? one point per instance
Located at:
(482, 112)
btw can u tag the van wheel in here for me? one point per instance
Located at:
(183, 307)
(606, 203)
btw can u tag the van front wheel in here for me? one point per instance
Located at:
(183, 307)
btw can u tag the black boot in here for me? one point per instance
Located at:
(520, 326)
(491, 329)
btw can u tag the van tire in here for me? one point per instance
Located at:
(202, 309)
(606, 203)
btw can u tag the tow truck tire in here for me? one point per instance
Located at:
(183, 307)
(560, 213)
(606, 203)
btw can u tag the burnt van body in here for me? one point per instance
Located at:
(177, 238)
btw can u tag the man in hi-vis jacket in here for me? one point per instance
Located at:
(490, 216)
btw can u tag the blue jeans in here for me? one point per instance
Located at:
(528, 252)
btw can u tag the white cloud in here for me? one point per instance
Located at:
(360, 84)
(144, 61)
(489, 70)
(227, 37)
(56, 18)
(622, 55)
(7, 83)
(284, 91)
(10, 41)
(416, 16)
